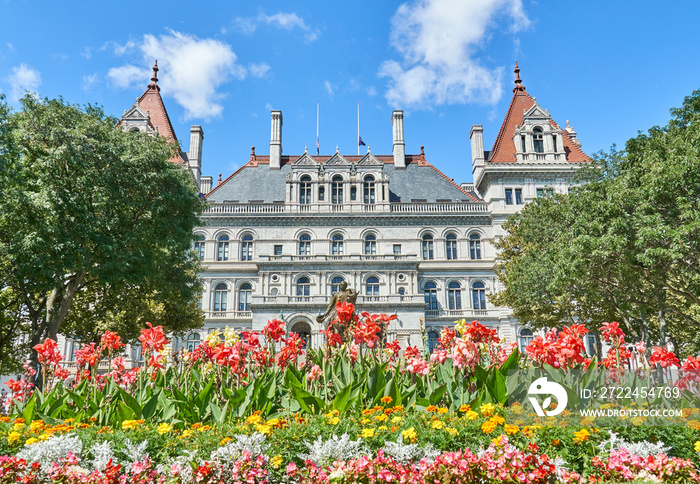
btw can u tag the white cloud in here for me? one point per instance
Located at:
(89, 81)
(268, 107)
(191, 70)
(22, 79)
(86, 53)
(286, 21)
(372, 91)
(258, 70)
(329, 87)
(438, 42)
(10, 47)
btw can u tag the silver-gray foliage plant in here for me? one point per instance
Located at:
(51, 450)
(333, 449)
(642, 449)
(101, 455)
(229, 453)
(407, 453)
(134, 453)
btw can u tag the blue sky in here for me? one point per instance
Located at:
(611, 68)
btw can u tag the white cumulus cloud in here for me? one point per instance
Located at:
(192, 70)
(23, 79)
(438, 42)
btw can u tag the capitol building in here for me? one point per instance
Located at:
(285, 230)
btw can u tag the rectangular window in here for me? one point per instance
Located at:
(518, 196)
(509, 196)
(321, 193)
(554, 142)
(353, 193)
(278, 250)
(522, 143)
(397, 249)
(545, 192)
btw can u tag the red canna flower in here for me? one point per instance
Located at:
(48, 352)
(274, 330)
(111, 342)
(153, 339)
(663, 357)
(345, 311)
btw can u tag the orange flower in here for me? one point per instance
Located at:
(431, 409)
(386, 400)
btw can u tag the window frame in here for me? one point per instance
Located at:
(430, 296)
(454, 296)
(304, 245)
(451, 246)
(428, 247)
(475, 246)
(245, 296)
(479, 296)
(222, 248)
(247, 247)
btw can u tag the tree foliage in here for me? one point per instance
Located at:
(624, 245)
(95, 225)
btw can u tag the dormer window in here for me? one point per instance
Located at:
(538, 140)
(337, 190)
(305, 190)
(369, 190)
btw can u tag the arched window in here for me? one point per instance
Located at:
(475, 246)
(526, 338)
(337, 190)
(369, 190)
(479, 295)
(222, 248)
(428, 253)
(451, 247)
(193, 340)
(372, 286)
(538, 140)
(454, 295)
(220, 293)
(303, 286)
(247, 247)
(199, 246)
(430, 291)
(433, 337)
(305, 190)
(402, 292)
(370, 244)
(245, 293)
(335, 284)
(337, 244)
(305, 244)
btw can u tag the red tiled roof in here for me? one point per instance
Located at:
(504, 147)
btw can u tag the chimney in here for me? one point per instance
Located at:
(205, 184)
(276, 140)
(195, 154)
(399, 145)
(478, 162)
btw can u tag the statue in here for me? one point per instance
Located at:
(339, 325)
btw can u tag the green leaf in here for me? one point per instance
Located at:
(340, 402)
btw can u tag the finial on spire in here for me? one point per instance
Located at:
(252, 153)
(518, 82)
(422, 151)
(154, 79)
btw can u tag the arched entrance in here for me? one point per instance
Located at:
(303, 329)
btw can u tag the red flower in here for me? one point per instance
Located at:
(111, 342)
(366, 332)
(478, 333)
(345, 311)
(663, 357)
(333, 338)
(394, 347)
(87, 355)
(153, 339)
(48, 352)
(274, 330)
(612, 330)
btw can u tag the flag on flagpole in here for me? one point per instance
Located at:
(360, 142)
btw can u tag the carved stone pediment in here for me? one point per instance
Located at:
(337, 160)
(305, 160)
(370, 160)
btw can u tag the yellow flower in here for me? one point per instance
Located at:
(225, 441)
(498, 420)
(44, 436)
(31, 441)
(36, 426)
(276, 461)
(410, 434)
(517, 409)
(254, 419)
(164, 428)
(451, 431)
(381, 417)
(697, 446)
(487, 409)
(488, 426)
(273, 422)
(637, 421)
(386, 400)
(131, 424)
(396, 420)
(364, 421)
(442, 410)
(464, 408)
(460, 326)
(511, 429)
(694, 424)
(437, 424)
(187, 433)
(367, 433)
(264, 429)
(334, 420)
(471, 415)
(587, 421)
(207, 367)
(382, 427)
(582, 435)
(498, 441)
(13, 437)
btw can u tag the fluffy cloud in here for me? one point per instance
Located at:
(192, 70)
(286, 21)
(438, 42)
(329, 87)
(23, 78)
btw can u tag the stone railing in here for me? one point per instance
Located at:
(403, 208)
(229, 314)
(456, 313)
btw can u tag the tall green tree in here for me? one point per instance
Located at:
(624, 245)
(95, 224)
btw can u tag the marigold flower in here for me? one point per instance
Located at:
(276, 461)
(464, 408)
(511, 429)
(13, 437)
(487, 409)
(431, 409)
(367, 433)
(386, 400)
(410, 434)
(697, 446)
(582, 435)
(437, 424)
(443, 410)
(488, 426)
(164, 428)
(471, 415)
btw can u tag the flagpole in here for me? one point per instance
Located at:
(358, 128)
(317, 145)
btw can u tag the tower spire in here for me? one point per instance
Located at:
(154, 79)
(518, 82)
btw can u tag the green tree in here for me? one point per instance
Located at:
(96, 224)
(624, 245)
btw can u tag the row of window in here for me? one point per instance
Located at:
(338, 246)
(514, 196)
(368, 191)
(370, 288)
